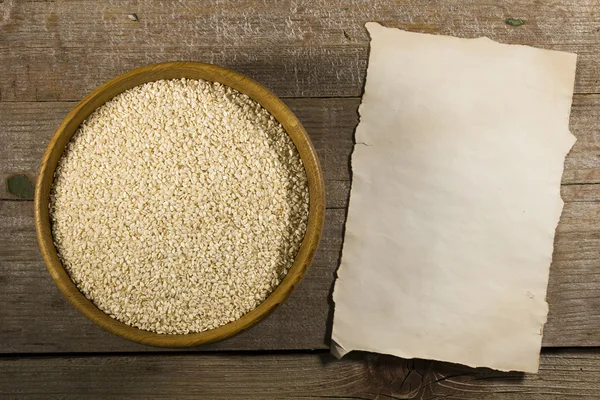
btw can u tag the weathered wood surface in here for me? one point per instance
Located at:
(202, 23)
(61, 50)
(563, 374)
(57, 51)
(26, 128)
(34, 317)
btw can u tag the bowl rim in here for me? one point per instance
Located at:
(177, 70)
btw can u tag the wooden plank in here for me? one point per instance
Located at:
(93, 23)
(26, 128)
(61, 50)
(41, 322)
(574, 315)
(564, 374)
(35, 318)
(53, 74)
(583, 162)
(44, 74)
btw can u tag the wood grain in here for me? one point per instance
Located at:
(35, 318)
(201, 23)
(26, 128)
(62, 50)
(564, 374)
(48, 74)
(40, 323)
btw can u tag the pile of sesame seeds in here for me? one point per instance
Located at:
(179, 206)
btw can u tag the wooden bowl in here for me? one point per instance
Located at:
(174, 70)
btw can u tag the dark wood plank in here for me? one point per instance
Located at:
(61, 50)
(34, 317)
(583, 162)
(564, 374)
(574, 315)
(26, 128)
(48, 74)
(54, 74)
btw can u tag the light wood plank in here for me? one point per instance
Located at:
(564, 374)
(26, 128)
(61, 50)
(199, 23)
(35, 318)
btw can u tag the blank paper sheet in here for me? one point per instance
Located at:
(455, 200)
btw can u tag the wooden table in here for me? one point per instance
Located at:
(314, 55)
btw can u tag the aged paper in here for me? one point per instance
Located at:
(455, 200)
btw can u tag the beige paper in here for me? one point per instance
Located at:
(455, 199)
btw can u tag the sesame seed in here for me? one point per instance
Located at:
(179, 206)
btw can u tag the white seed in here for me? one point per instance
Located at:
(179, 206)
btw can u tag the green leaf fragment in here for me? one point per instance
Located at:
(514, 21)
(20, 186)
